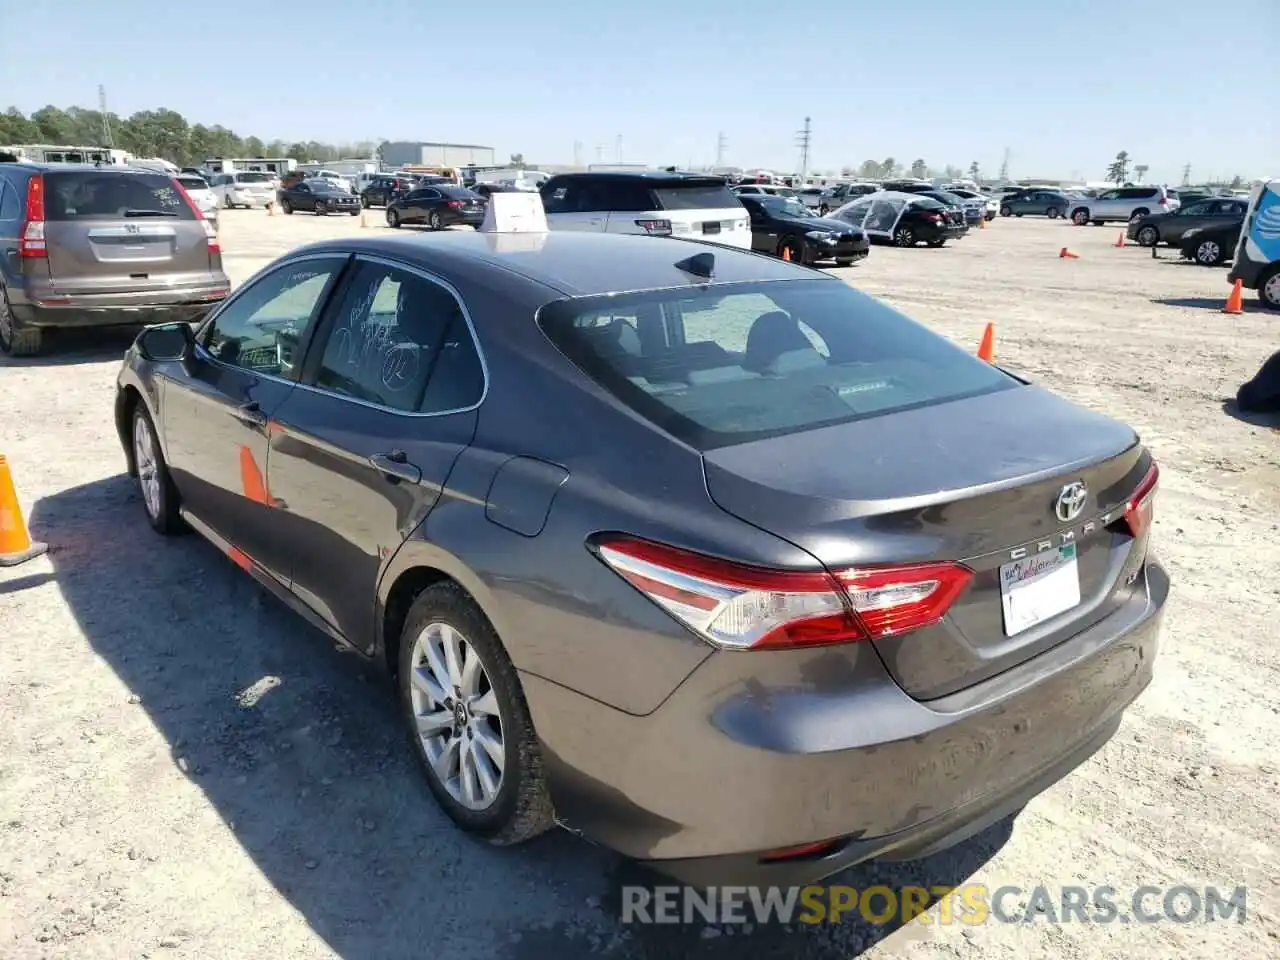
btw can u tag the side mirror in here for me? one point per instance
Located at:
(166, 342)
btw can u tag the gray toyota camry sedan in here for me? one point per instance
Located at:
(705, 556)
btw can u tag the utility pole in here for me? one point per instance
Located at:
(721, 145)
(1186, 175)
(577, 153)
(803, 139)
(1004, 167)
(107, 140)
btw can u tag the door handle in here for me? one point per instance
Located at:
(395, 466)
(250, 413)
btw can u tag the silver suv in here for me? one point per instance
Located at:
(1122, 204)
(85, 246)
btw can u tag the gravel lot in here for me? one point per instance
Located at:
(188, 771)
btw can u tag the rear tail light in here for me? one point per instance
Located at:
(456, 204)
(656, 228)
(1163, 201)
(1141, 508)
(31, 242)
(933, 217)
(743, 607)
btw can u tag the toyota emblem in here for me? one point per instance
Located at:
(1071, 501)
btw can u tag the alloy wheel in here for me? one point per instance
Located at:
(1148, 236)
(1271, 292)
(459, 722)
(144, 455)
(1208, 253)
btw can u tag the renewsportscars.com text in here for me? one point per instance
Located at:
(969, 904)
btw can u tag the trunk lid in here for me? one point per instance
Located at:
(975, 481)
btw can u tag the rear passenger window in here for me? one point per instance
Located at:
(263, 328)
(401, 341)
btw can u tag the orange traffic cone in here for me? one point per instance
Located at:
(1065, 254)
(1120, 239)
(987, 349)
(786, 254)
(16, 544)
(1235, 302)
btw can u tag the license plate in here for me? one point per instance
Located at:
(1036, 588)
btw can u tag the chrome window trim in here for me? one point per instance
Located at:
(368, 258)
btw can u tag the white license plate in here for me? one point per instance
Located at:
(1039, 587)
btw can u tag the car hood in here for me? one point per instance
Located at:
(829, 224)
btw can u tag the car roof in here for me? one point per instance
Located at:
(651, 176)
(569, 262)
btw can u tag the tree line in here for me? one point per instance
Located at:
(160, 133)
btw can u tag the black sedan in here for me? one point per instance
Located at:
(710, 558)
(382, 189)
(318, 196)
(1154, 228)
(438, 206)
(785, 227)
(1211, 246)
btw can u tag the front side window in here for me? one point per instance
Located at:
(401, 341)
(263, 327)
(729, 364)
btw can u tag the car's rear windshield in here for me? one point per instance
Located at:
(927, 203)
(695, 197)
(193, 183)
(98, 195)
(732, 363)
(253, 177)
(457, 193)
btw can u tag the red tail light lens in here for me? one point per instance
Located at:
(211, 238)
(657, 228)
(742, 607)
(456, 204)
(1140, 510)
(31, 242)
(1163, 201)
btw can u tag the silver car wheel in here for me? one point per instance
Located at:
(144, 455)
(1271, 290)
(458, 719)
(1207, 253)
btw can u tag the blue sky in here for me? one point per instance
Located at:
(1063, 86)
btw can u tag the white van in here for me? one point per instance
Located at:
(654, 202)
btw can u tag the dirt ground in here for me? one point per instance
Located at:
(188, 771)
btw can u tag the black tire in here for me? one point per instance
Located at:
(1148, 236)
(165, 519)
(1138, 214)
(823, 209)
(434, 221)
(844, 263)
(355, 213)
(1209, 253)
(286, 207)
(15, 341)
(393, 219)
(1080, 216)
(1269, 288)
(321, 209)
(1006, 211)
(364, 202)
(989, 216)
(1053, 213)
(1018, 215)
(904, 236)
(936, 243)
(522, 807)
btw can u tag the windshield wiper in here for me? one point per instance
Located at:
(149, 213)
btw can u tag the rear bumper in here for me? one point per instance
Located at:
(822, 745)
(106, 310)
